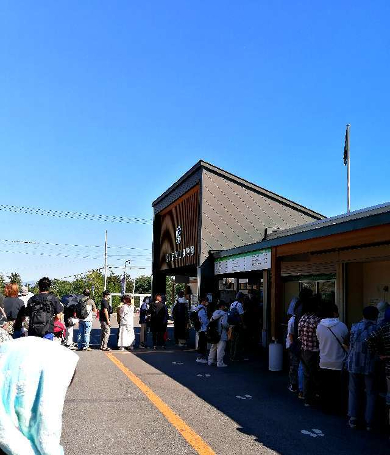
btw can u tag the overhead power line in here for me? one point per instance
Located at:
(73, 215)
(73, 256)
(33, 242)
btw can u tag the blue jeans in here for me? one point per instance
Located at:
(84, 334)
(359, 383)
(300, 377)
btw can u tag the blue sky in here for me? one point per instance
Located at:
(105, 104)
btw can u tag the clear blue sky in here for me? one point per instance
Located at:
(105, 104)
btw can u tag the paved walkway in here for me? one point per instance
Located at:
(107, 413)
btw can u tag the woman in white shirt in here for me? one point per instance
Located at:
(126, 328)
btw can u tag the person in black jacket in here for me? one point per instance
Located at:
(13, 307)
(143, 321)
(42, 309)
(181, 319)
(158, 321)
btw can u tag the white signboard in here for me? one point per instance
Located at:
(245, 262)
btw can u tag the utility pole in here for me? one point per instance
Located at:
(105, 262)
(124, 276)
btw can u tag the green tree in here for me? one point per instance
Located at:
(172, 289)
(61, 287)
(15, 278)
(143, 284)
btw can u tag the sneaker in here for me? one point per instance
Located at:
(200, 360)
(155, 348)
(292, 388)
(352, 423)
(142, 346)
(307, 405)
(106, 349)
(122, 349)
(222, 365)
(87, 349)
(300, 396)
(210, 363)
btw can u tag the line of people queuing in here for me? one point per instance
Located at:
(341, 370)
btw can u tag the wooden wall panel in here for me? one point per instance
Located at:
(369, 236)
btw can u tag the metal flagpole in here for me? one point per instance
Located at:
(105, 262)
(348, 172)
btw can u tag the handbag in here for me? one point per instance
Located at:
(344, 368)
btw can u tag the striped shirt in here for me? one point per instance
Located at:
(379, 343)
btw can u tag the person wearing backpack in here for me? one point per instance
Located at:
(236, 321)
(203, 324)
(84, 311)
(220, 322)
(42, 308)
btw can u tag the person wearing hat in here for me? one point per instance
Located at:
(105, 323)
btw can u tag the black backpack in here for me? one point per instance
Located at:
(82, 308)
(194, 318)
(213, 336)
(41, 315)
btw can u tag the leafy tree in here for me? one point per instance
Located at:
(15, 278)
(143, 284)
(61, 287)
(172, 289)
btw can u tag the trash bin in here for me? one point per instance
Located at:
(275, 356)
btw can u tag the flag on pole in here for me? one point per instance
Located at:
(346, 145)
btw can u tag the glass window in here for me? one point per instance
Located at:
(308, 284)
(226, 284)
(327, 290)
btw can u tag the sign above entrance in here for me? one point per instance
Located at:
(179, 232)
(245, 262)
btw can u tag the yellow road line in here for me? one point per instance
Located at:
(188, 433)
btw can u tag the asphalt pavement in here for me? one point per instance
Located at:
(242, 409)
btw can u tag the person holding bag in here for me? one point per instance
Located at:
(331, 333)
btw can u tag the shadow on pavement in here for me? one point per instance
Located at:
(259, 402)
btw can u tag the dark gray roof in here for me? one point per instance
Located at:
(359, 219)
(240, 181)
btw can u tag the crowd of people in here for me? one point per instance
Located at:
(340, 370)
